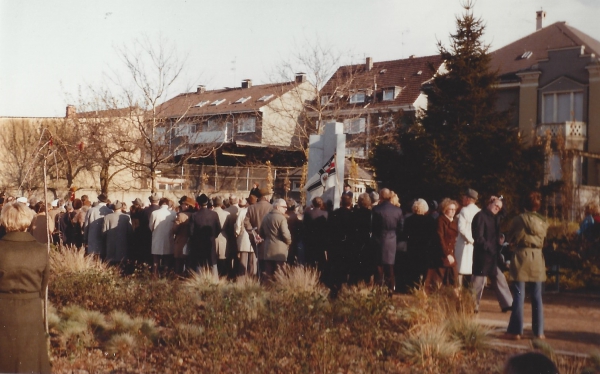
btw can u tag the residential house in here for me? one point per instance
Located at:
(550, 82)
(374, 97)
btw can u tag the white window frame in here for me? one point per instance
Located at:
(246, 125)
(266, 97)
(358, 97)
(202, 103)
(242, 100)
(355, 125)
(217, 102)
(325, 100)
(391, 92)
(383, 120)
(555, 115)
(213, 125)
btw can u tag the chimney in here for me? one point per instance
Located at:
(201, 89)
(71, 111)
(369, 63)
(247, 83)
(300, 77)
(539, 19)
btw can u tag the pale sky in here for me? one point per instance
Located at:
(49, 48)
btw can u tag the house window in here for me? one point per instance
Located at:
(185, 129)
(324, 100)
(383, 121)
(242, 100)
(246, 124)
(217, 102)
(295, 185)
(354, 126)
(388, 94)
(212, 125)
(202, 103)
(563, 107)
(358, 97)
(266, 97)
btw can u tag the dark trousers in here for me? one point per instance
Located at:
(385, 274)
(268, 269)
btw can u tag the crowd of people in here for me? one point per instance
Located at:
(370, 241)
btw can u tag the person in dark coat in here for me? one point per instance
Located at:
(254, 218)
(486, 233)
(387, 228)
(419, 231)
(295, 227)
(117, 233)
(363, 267)
(342, 252)
(24, 272)
(316, 234)
(204, 229)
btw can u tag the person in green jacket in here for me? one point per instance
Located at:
(527, 267)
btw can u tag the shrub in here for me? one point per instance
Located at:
(471, 334)
(429, 346)
(299, 280)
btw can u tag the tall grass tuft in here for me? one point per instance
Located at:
(66, 260)
(122, 344)
(472, 335)
(121, 322)
(204, 281)
(429, 345)
(299, 280)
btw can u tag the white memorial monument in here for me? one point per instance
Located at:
(326, 157)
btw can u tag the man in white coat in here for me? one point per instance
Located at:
(161, 222)
(93, 226)
(463, 251)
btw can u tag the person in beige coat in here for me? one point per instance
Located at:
(277, 238)
(245, 261)
(527, 267)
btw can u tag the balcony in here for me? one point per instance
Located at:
(573, 132)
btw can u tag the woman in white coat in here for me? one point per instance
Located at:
(463, 251)
(245, 258)
(161, 222)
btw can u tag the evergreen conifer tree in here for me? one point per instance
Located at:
(461, 140)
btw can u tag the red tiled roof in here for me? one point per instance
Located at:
(408, 74)
(186, 103)
(508, 59)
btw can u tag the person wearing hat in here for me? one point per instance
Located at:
(204, 229)
(117, 232)
(463, 250)
(93, 225)
(254, 217)
(277, 239)
(181, 232)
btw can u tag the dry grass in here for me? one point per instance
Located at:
(121, 344)
(299, 280)
(430, 345)
(73, 260)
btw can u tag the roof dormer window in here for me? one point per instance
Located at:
(526, 55)
(266, 97)
(357, 97)
(202, 103)
(242, 100)
(217, 102)
(390, 93)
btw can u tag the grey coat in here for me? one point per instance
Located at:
(117, 235)
(93, 227)
(387, 227)
(274, 230)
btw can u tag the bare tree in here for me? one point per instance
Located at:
(153, 71)
(18, 146)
